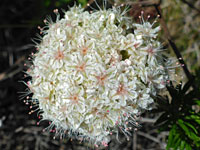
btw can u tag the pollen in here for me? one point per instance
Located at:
(150, 51)
(84, 50)
(101, 79)
(121, 90)
(81, 67)
(59, 55)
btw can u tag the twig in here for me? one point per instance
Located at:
(148, 137)
(18, 25)
(191, 5)
(146, 3)
(8, 73)
(143, 3)
(134, 140)
(147, 120)
(16, 49)
(172, 44)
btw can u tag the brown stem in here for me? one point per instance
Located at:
(172, 44)
(191, 5)
(146, 3)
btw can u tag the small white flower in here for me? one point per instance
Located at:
(91, 76)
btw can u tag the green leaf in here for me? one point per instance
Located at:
(181, 124)
(177, 144)
(82, 2)
(182, 145)
(192, 127)
(194, 137)
(177, 136)
(188, 147)
(197, 102)
(195, 118)
(170, 138)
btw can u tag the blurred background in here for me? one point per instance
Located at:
(19, 24)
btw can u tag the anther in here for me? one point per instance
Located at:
(55, 11)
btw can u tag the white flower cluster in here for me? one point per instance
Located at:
(90, 76)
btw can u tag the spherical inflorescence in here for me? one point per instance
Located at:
(91, 75)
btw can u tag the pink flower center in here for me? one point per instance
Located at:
(81, 67)
(150, 51)
(121, 90)
(84, 50)
(101, 79)
(59, 55)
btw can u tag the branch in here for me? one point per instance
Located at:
(134, 141)
(146, 3)
(172, 44)
(191, 5)
(143, 3)
(149, 137)
(13, 70)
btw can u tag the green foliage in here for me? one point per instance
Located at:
(179, 116)
(82, 2)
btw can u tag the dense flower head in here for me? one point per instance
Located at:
(91, 75)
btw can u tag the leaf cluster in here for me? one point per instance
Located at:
(179, 115)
